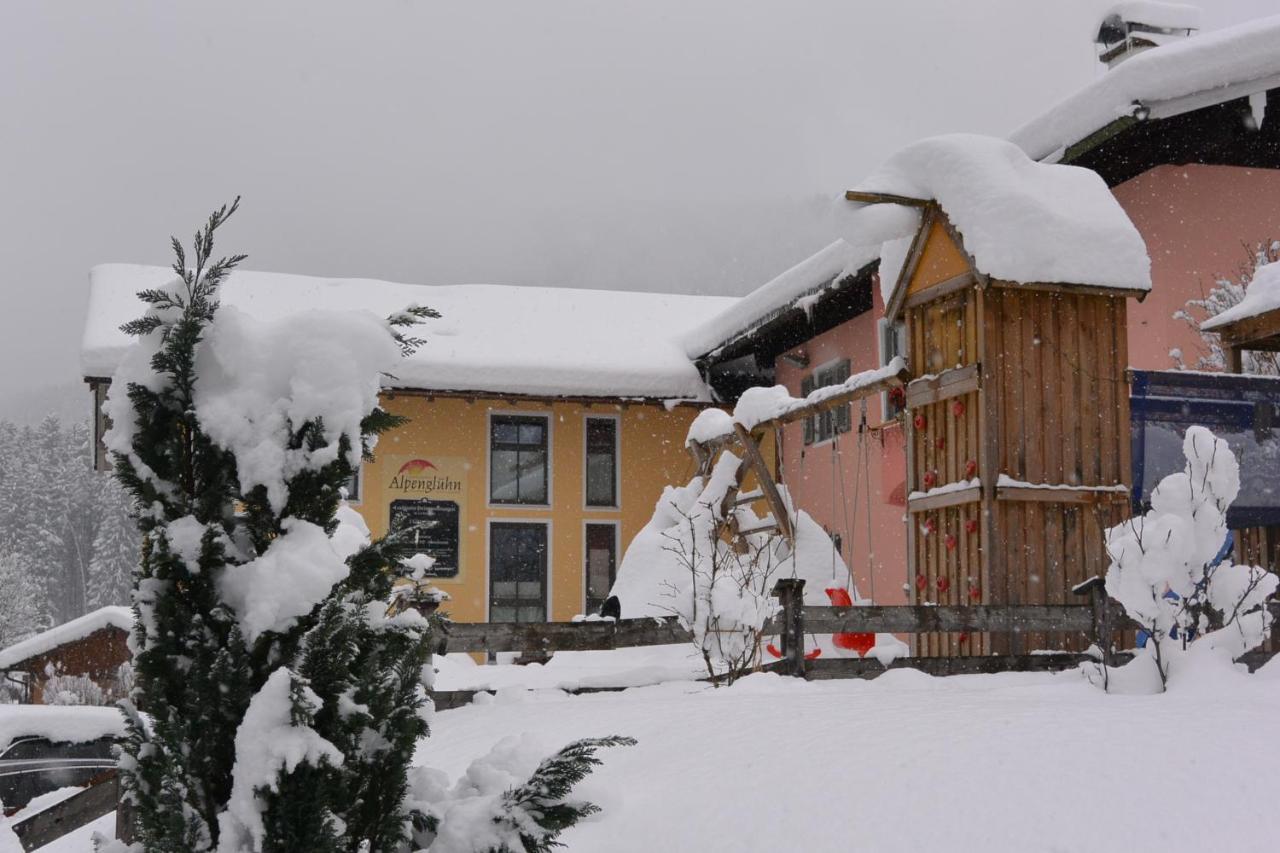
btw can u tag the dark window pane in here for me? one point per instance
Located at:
(504, 475)
(517, 572)
(602, 463)
(502, 614)
(601, 563)
(518, 459)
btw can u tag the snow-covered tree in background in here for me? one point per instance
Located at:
(284, 703)
(65, 529)
(1165, 572)
(1228, 291)
(20, 601)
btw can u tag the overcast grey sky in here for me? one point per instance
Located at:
(665, 144)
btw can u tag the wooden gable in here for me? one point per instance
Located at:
(935, 264)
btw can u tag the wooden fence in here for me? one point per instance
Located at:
(98, 798)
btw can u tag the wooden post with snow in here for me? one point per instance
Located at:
(790, 593)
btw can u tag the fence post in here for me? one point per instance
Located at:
(1096, 588)
(790, 592)
(124, 813)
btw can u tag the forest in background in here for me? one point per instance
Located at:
(67, 543)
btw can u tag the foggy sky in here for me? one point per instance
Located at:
(699, 147)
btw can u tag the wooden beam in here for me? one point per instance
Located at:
(1248, 331)
(927, 503)
(1057, 495)
(925, 618)
(824, 669)
(943, 288)
(1059, 287)
(764, 478)
(560, 636)
(885, 198)
(68, 815)
(944, 386)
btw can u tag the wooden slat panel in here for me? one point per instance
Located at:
(1069, 385)
(935, 502)
(562, 636)
(1089, 449)
(906, 619)
(50, 824)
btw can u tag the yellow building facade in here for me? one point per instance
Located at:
(546, 546)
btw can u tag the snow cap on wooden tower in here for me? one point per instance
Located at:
(1020, 220)
(1012, 292)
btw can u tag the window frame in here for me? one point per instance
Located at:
(548, 468)
(548, 589)
(840, 418)
(899, 340)
(617, 464)
(617, 557)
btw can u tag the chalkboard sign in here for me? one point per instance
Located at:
(426, 527)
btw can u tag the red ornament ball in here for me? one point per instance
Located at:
(971, 526)
(921, 583)
(930, 479)
(975, 594)
(919, 421)
(951, 542)
(970, 469)
(957, 408)
(944, 584)
(940, 442)
(931, 526)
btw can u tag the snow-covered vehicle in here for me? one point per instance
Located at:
(44, 748)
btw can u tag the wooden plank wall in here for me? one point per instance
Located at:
(946, 542)
(1062, 418)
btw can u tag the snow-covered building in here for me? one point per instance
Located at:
(1186, 138)
(543, 424)
(93, 646)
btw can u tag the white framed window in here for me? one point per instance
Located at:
(893, 342)
(826, 425)
(600, 465)
(519, 459)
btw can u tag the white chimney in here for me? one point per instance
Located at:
(1137, 25)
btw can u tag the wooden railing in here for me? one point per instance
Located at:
(48, 825)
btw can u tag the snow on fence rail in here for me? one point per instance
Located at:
(100, 797)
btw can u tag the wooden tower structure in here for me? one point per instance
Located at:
(1018, 431)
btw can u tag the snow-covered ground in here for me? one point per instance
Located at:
(1015, 762)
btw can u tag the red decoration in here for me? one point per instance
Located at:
(951, 541)
(970, 468)
(957, 408)
(971, 526)
(777, 653)
(944, 584)
(860, 643)
(940, 442)
(963, 638)
(919, 421)
(930, 479)
(921, 583)
(930, 526)
(898, 396)
(975, 594)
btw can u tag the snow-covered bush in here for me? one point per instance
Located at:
(1228, 291)
(680, 564)
(510, 800)
(1166, 573)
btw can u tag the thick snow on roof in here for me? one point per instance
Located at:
(1022, 221)
(529, 340)
(812, 274)
(76, 629)
(864, 231)
(59, 723)
(1262, 295)
(1235, 55)
(1169, 16)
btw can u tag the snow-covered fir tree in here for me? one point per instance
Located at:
(283, 703)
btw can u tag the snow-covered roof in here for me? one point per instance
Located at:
(59, 723)
(1220, 65)
(496, 338)
(1262, 295)
(1169, 16)
(807, 277)
(67, 632)
(1022, 221)
(864, 231)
